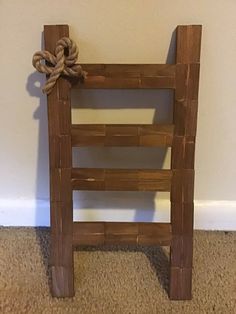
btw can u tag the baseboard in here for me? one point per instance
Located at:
(209, 215)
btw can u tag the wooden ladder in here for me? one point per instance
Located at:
(183, 78)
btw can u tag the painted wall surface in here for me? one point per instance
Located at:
(134, 31)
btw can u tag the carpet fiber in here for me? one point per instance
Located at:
(115, 279)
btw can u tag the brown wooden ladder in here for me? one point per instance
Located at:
(183, 77)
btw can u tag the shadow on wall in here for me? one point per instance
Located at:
(117, 157)
(34, 86)
(143, 203)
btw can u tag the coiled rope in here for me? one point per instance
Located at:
(60, 63)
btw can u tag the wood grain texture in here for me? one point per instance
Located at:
(121, 179)
(127, 76)
(182, 160)
(60, 161)
(183, 77)
(147, 135)
(100, 233)
(181, 283)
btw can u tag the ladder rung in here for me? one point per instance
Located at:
(122, 135)
(99, 233)
(128, 76)
(121, 179)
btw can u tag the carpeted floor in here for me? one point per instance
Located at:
(115, 279)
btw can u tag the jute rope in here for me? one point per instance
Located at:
(59, 63)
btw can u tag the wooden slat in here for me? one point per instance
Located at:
(182, 161)
(121, 179)
(99, 233)
(122, 135)
(60, 161)
(127, 76)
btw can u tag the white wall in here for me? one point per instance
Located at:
(112, 31)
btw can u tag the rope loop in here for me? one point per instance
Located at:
(63, 62)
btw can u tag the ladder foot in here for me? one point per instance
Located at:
(62, 281)
(180, 283)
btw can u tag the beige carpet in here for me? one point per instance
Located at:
(115, 279)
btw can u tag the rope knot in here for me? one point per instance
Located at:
(63, 62)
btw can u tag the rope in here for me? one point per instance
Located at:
(59, 63)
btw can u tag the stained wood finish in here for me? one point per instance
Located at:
(127, 76)
(183, 77)
(99, 233)
(182, 163)
(121, 179)
(59, 123)
(122, 135)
